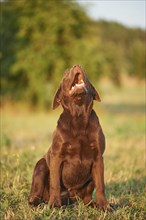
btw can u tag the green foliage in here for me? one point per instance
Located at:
(137, 54)
(40, 39)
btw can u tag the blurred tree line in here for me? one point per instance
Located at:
(40, 39)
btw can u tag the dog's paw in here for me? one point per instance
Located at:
(105, 206)
(55, 203)
(109, 208)
(34, 200)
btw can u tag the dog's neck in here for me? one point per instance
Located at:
(77, 118)
(75, 110)
(78, 111)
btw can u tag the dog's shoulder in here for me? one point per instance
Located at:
(94, 117)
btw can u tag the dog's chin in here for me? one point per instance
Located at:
(78, 91)
(79, 96)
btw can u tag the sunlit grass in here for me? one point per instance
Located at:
(26, 136)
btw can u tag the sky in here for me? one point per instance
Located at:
(131, 13)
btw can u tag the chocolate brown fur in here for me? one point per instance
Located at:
(73, 166)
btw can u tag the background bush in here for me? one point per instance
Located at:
(40, 39)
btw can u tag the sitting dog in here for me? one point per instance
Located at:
(73, 166)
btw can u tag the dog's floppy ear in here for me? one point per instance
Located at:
(95, 94)
(57, 98)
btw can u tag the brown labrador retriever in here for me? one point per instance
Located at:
(73, 166)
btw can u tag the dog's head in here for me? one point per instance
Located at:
(75, 89)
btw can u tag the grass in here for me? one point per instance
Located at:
(26, 136)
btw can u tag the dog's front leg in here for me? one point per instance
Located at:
(98, 176)
(55, 163)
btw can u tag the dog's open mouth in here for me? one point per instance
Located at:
(78, 85)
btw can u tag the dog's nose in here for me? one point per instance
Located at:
(76, 65)
(76, 69)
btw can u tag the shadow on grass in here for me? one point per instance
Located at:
(130, 205)
(125, 108)
(127, 193)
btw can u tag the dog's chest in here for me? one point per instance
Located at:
(78, 157)
(80, 147)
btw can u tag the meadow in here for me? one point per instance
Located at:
(26, 136)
